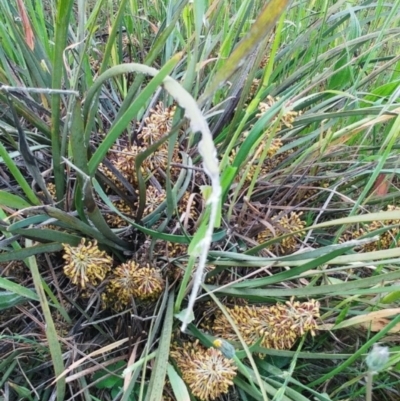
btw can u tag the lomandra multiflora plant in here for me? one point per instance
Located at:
(195, 198)
(208, 152)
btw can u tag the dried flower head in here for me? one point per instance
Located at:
(132, 281)
(285, 119)
(124, 162)
(51, 187)
(255, 84)
(284, 225)
(265, 59)
(266, 105)
(170, 250)
(303, 315)
(247, 318)
(157, 124)
(207, 372)
(129, 41)
(154, 198)
(176, 250)
(273, 162)
(113, 219)
(86, 263)
(121, 287)
(149, 283)
(157, 163)
(158, 159)
(253, 164)
(277, 326)
(273, 148)
(276, 144)
(94, 64)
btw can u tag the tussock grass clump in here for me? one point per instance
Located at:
(249, 160)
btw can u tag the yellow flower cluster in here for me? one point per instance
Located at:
(277, 326)
(51, 187)
(128, 43)
(273, 159)
(283, 225)
(274, 147)
(286, 119)
(386, 239)
(129, 281)
(304, 193)
(154, 198)
(94, 64)
(86, 263)
(255, 84)
(124, 161)
(207, 372)
(116, 221)
(155, 126)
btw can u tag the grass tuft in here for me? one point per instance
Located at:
(199, 200)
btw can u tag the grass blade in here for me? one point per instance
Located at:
(51, 332)
(64, 9)
(157, 380)
(17, 289)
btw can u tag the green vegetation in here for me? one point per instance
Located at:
(114, 119)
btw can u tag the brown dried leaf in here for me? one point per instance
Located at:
(368, 321)
(29, 38)
(381, 185)
(378, 325)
